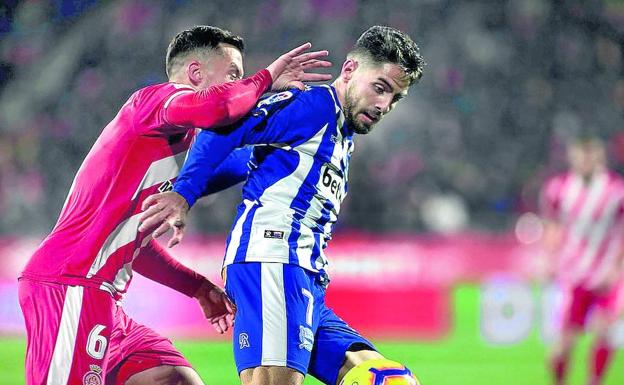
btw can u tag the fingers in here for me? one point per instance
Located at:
(302, 48)
(312, 77)
(228, 305)
(223, 324)
(149, 201)
(152, 218)
(217, 326)
(315, 64)
(178, 234)
(163, 228)
(310, 55)
(152, 210)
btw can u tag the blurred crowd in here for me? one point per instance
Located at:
(507, 82)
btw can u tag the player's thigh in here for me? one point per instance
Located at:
(337, 348)
(607, 310)
(68, 329)
(575, 308)
(275, 319)
(271, 375)
(139, 353)
(164, 375)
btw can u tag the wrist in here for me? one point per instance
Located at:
(189, 197)
(266, 78)
(204, 288)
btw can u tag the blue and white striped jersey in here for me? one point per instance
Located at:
(293, 194)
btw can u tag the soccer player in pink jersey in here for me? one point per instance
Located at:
(583, 209)
(69, 290)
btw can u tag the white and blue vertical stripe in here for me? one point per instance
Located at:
(292, 198)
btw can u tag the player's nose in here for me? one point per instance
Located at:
(383, 105)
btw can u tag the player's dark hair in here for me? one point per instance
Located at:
(585, 135)
(382, 44)
(198, 37)
(585, 140)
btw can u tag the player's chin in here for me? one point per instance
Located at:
(362, 128)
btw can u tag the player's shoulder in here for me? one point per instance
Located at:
(317, 98)
(554, 183)
(161, 90)
(617, 180)
(324, 95)
(557, 178)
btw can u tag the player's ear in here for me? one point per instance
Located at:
(193, 70)
(348, 68)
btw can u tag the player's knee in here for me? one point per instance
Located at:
(358, 353)
(355, 357)
(271, 375)
(564, 343)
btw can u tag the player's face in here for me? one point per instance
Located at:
(372, 92)
(222, 66)
(586, 158)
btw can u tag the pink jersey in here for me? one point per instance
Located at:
(96, 238)
(591, 216)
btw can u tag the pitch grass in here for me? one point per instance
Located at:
(460, 359)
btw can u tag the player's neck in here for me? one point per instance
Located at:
(181, 80)
(341, 89)
(587, 178)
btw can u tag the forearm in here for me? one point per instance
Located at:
(155, 263)
(220, 105)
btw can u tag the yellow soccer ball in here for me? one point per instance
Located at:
(379, 372)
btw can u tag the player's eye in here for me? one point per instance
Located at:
(378, 89)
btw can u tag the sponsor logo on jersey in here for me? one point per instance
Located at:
(332, 181)
(243, 341)
(273, 234)
(165, 186)
(276, 98)
(306, 338)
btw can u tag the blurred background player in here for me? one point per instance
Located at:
(77, 333)
(583, 211)
(275, 261)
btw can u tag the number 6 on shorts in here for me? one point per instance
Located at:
(96, 343)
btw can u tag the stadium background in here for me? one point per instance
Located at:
(434, 252)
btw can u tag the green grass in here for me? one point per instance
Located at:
(460, 359)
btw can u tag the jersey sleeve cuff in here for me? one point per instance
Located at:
(186, 193)
(264, 77)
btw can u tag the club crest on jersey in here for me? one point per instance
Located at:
(93, 376)
(276, 98)
(273, 234)
(166, 186)
(306, 338)
(243, 341)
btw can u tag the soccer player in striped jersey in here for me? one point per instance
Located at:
(583, 209)
(275, 263)
(77, 332)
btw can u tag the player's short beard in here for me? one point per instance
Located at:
(351, 115)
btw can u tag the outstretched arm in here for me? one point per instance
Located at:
(155, 263)
(224, 104)
(218, 105)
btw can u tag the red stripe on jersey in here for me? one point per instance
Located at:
(591, 217)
